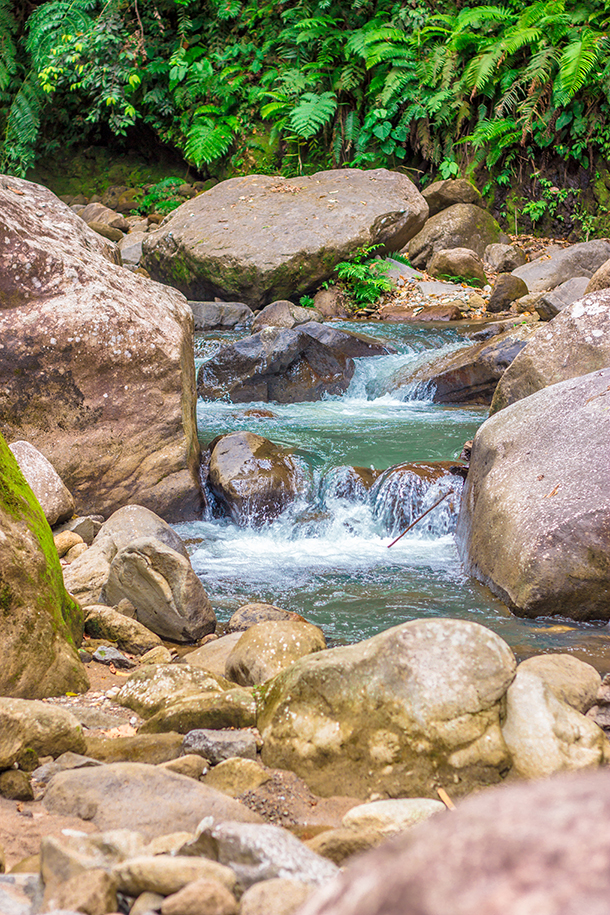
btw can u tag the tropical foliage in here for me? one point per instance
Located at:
(310, 84)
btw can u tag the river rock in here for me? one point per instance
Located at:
(267, 648)
(260, 238)
(15, 785)
(569, 679)
(500, 258)
(12, 738)
(161, 584)
(233, 708)
(545, 735)
(44, 481)
(153, 688)
(103, 355)
(533, 518)
(331, 303)
(600, 279)
(41, 621)
(235, 775)
(253, 479)
(551, 303)
(212, 657)
(221, 315)
(506, 289)
(65, 541)
(392, 816)
(145, 798)
(107, 654)
(166, 874)
(284, 314)
(49, 729)
(218, 745)
(98, 213)
(130, 635)
(574, 343)
(70, 853)
(201, 897)
(257, 612)
(279, 896)
(130, 247)
(416, 705)
(87, 527)
(536, 847)
(442, 194)
(94, 892)
(469, 375)
(284, 366)
(256, 853)
(462, 225)
(457, 262)
(151, 749)
(560, 264)
(345, 343)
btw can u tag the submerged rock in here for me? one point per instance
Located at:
(253, 479)
(469, 375)
(284, 366)
(533, 523)
(415, 706)
(261, 238)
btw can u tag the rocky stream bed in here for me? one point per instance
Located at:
(220, 681)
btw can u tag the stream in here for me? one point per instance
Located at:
(327, 556)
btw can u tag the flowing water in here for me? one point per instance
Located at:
(327, 556)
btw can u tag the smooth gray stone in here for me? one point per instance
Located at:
(221, 315)
(218, 745)
(551, 303)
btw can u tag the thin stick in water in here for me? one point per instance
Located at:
(413, 523)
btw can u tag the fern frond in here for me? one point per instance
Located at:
(578, 61)
(208, 139)
(312, 113)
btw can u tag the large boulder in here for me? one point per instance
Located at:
(539, 847)
(261, 238)
(168, 597)
(442, 194)
(462, 225)
(86, 577)
(560, 264)
(574, 343)
(96, 366)
(411, 708)
(285, 366)
(251, 478)
(40, 622)
(221, 315)
(533, 521)
(48, 729)
(469, 375)
(499, 258)
(55, 499)
(551, 303)
(149, 799)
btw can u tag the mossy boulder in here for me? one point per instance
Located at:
(40, 624)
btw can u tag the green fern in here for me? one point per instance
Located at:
(210, 136)
(312, 112)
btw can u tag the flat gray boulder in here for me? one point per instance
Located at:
(137, 796)
(576, 342)
(561, 264)
(259, 238)
(533, 522)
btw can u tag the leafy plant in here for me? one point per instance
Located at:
(364, 278)
(306, 301)
(163, 197)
